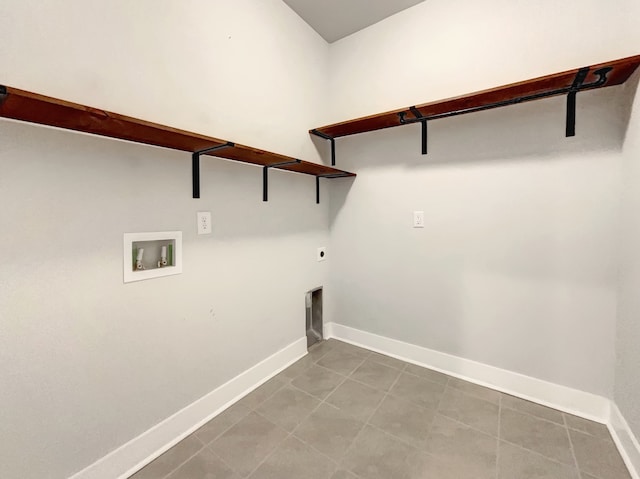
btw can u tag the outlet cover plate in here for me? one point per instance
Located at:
(322, 253)
(418, 219)
(204, 222)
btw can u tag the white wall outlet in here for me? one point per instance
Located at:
(322, 253)
(204, 222)
(418, 219)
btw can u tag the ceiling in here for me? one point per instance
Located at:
(336, 19)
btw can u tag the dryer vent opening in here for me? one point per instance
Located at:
(313, 302)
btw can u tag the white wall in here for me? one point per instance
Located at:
(88, 362)
(516, 266)
(627, 379)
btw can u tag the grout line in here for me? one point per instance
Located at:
(322, 401)
(551, 459)
(184, 462)
(498, 440)
(573, 452)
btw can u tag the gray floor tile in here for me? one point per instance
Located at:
(293, 459)
(387, 361)
(318, 381)
(404, 420)
(342, 474)
(222, 422)
(340, 361)
(356, 399)
(470, 410)
(598, 457)
(544, 437)
(518, 463)
(590, 427)
(430, 374)
(376, 455)
(288, 407)
(376, 375)
(421, 391)
(318, 350)
(262, 393)
(466, 452)
(248, 443)
(475, 390)
(329, 430)
(297, 368)
(423, 425)
(347, 348)
(532, 408)
(171, 459)
(204, 465)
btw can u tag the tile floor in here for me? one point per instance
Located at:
(343, 412)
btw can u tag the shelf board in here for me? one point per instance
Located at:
(546, 86)
(34, 108)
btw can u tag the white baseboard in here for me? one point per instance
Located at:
(627, 443)
(140, 451)
(572, 401)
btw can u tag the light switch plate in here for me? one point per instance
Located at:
(204, 222)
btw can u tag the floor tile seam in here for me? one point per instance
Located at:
(498, 439)
(426, 379)
(225, 430)
(384, 398)
(473, 428)
(367, 422)
(552, 459)
(253, 408)
(603, 439)
(573, 454)
(204, 446)
(213, 451)
(291, 433)
(534, 416)
(392, 367)
(473, 396)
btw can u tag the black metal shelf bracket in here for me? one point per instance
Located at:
(327, 175)
(265, 176)
(577, 85)
(333, 144)
(571, 101)
(195, 164)
(3, 93)
(418, 117)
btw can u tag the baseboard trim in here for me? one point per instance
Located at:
(625, 440)
(140, 451)
(572, 401)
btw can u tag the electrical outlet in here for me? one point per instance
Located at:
(204, 222)
(418, 219)
(322, 254)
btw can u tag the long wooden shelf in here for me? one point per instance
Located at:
(542, 87)
(31, 107)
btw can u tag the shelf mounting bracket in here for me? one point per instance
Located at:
(571, 100)
(3, 94)
(327, 175)
(265, 176)
(333, 144)
(195, 164)
(423, 122)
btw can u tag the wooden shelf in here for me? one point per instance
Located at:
(542, 87)
(34, 108)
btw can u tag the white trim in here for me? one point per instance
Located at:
(627, 442)
(573, 401)
(140, 451)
